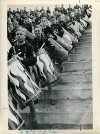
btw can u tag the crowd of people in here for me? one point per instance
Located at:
(29, 19)
(39, 39)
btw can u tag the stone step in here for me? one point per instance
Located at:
(79, 57)
(86, 35)
(82, 50)
(75, 78)
(88, 31)
(75, 74)
(64, 126)
(73, 66)
(64, 112)
(72, 85)
(85, 39)
(84, 44)
(63, 93)
(71, 73)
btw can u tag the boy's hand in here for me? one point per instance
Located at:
(19, 58)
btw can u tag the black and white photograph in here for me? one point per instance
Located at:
(49, 60)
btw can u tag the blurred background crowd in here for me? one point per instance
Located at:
(29, 18)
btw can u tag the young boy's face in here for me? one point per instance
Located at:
(38, 32)
(53, 21)
(44, 21)
(16, 25)
(20, 36)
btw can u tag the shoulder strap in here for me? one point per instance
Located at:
(14, 50)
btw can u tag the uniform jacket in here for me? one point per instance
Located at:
(27, 53)
(37, 43)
